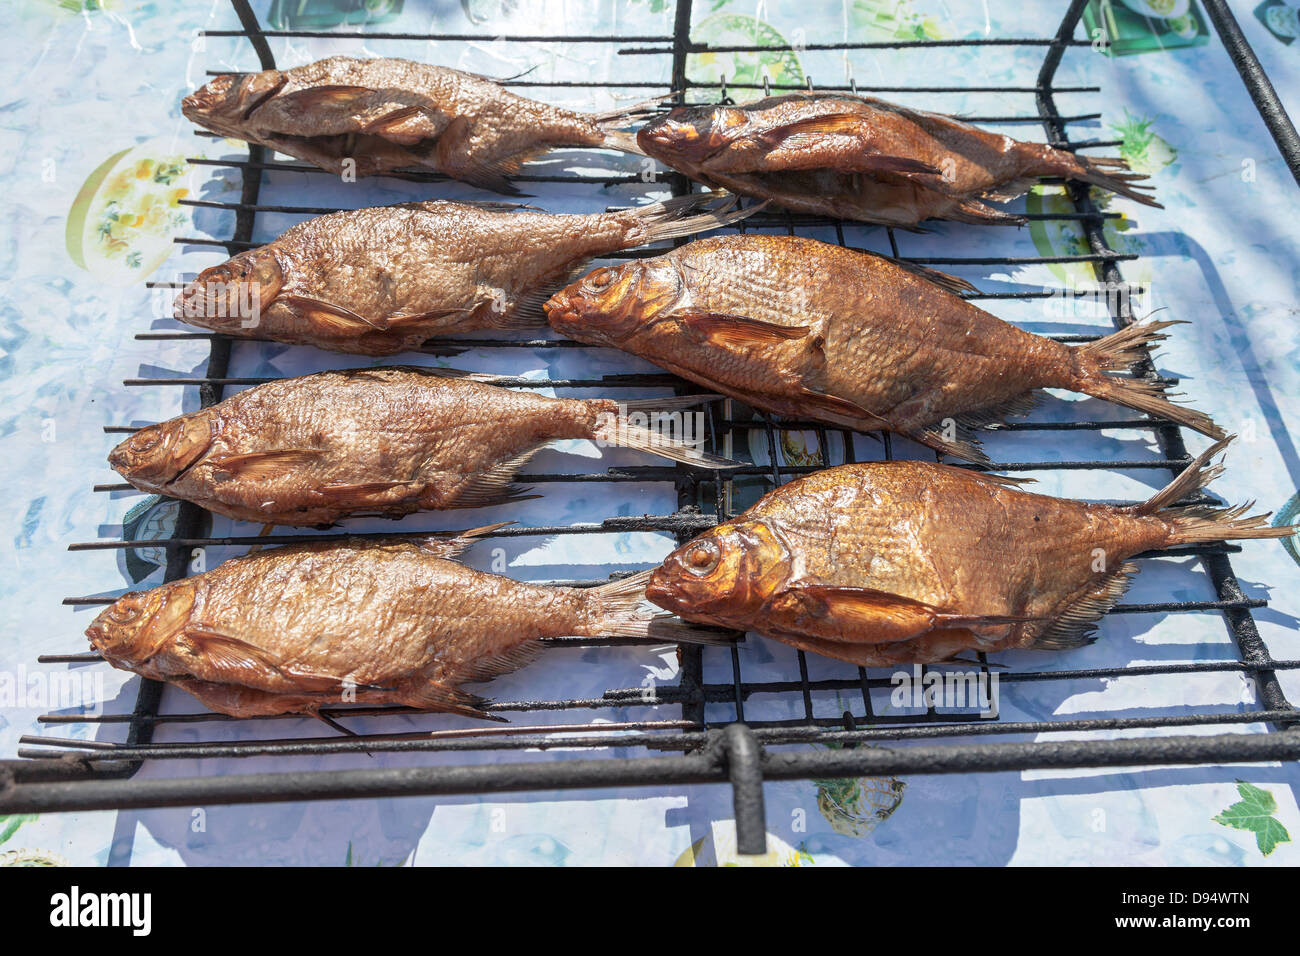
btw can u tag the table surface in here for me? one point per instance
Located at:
(94, 100)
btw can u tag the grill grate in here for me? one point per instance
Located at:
(59, 772)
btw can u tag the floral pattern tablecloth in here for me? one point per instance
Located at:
(96, 165)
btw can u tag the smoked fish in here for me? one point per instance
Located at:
(368, 116)
(386, 441)
(807, 329)
(382, 280)
(856, 157)
(366, 621)
(902, 562)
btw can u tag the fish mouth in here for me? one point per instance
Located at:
(561, 308)
(661, 593)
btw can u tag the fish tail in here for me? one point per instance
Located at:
(1194, 477)
(613, 123)
(1150, 397)
(1199, 524)
(1093, 171)
(1223, 524)
(688, 215)
(616, 611)
(1129, 345)
(615, 429)
(1119, 351)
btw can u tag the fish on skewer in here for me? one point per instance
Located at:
(857, 157)
(387, 441)
(803, 328)
(369, 116)
(902, 562)
(382, 280)
(302, 627)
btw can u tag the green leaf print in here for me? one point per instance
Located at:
(9, 825)
(1254, 812)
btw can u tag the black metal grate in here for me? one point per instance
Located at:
(61, 773)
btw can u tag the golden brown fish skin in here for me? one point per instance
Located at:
(870, 345)
(390, 441)
(900, 562)
(383, 280)
(856, 157)
(385, 114)
(292, 629)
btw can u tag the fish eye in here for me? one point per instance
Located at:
(600, 279)
(147, 441)
(123, 613)
(701, 558)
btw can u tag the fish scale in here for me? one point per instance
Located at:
(911, 562)
(806, 329)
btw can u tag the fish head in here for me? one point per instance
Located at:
(157, 455)
(139, 624)
(691, 134)
(725, 575)
(230, 297)
(227, 103)
(609, 304)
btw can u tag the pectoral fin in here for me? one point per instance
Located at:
(232, 660)
(334, 319)
(332, 96)
(737, 331)
(265, 464)
(865, 615)
(405, 126)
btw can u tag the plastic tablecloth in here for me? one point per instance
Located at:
(96, 165)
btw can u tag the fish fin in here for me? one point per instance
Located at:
(997, 414)
(397, 126)
(1005, 481)
(868, 615)
(494, 486)
(239, 662)
(953, 284)
(1201, 524)
(613, 123)
(684, 216)
(454, 158)
(1121, 183)
(1120, 350)
(486, 668)
(1146, 396)
(452, 700)
(629, 588)
(264, 464)
(615, 430)
(530, 306)
(449, 547)
(330, 95)
(338, 319)
(672, 630)
(361, 489)
(1192, 478)
(1012, 189)
(957, 448)
(616, 608)
(974, 211)
(842, 408)
(1077, 624)
(736, 331)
